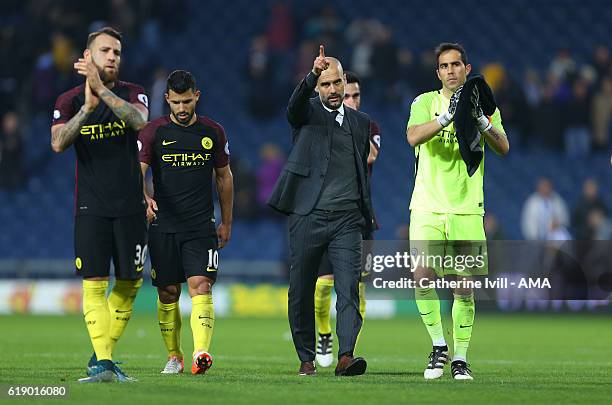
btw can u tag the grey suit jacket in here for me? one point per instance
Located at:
(299, 185)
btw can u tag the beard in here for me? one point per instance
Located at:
(184, 119)
(107, 77)
(332, 105)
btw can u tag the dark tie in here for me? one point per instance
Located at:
(334, 115)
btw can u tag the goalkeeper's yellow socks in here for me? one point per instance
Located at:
(169, 316)
(322, 300)
(120, 302)
(202, 322)
(428, 304)
(463, 319)
(97, 317)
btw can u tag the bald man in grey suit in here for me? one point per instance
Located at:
(324, 188)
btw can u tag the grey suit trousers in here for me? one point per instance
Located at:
(340, 234)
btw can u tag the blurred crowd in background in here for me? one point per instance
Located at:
(565, 107)
(568, 106)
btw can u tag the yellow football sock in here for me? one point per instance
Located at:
(97, 317)
(120, 303)
(322, 299)
(463, 320)
(428, 304)
(170, 323)
(202, 321)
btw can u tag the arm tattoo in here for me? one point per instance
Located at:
(495, 138)
(122, 109)
(69, 133)
(495, 134)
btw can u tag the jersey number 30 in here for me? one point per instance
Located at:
(141, 255)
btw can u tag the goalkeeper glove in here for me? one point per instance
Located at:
(482, 121)
(448, 116)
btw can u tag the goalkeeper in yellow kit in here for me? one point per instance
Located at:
(447, 205)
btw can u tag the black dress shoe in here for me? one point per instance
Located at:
(349, 365)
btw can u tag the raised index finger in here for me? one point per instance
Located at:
(321, 51)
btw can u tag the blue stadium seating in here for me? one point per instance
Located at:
(37, 221)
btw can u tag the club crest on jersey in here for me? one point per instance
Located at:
(207, 143)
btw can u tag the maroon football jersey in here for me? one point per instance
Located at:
(108, 176)
(182, 160)
(375, 134)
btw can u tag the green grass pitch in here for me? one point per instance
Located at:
(515, 359)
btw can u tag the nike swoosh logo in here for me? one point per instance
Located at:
(426, 313)
(465, 326)
(139, 268)
(436, 114)
(166, 323)
(166, 143)
(119, 311)
(210, 269)
(204, 317)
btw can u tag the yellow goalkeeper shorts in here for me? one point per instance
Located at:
(449, 243)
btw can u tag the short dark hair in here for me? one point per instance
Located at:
(447, 46)
(351, 77)
(180, 81)
(106, 30)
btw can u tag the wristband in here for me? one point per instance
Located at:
(483, 123)
(444, 119)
